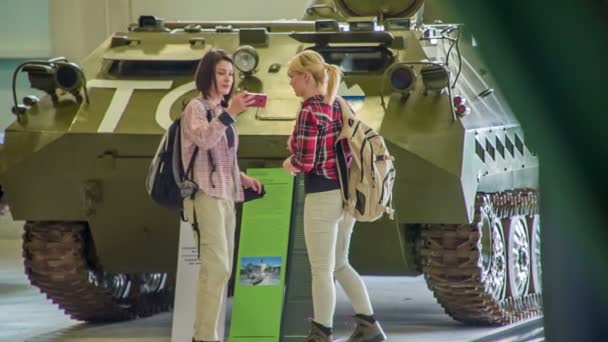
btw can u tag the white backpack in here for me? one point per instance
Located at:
(367, 186)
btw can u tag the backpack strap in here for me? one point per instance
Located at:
(346, 114)
(190, 173)
(390, 209)
(197, 231)
(340, 153)
(195, 223)
(190, 168)
(209, 157)
(346, 110)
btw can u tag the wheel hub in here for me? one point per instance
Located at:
(535, 252)
(520, 244)
(493, 256)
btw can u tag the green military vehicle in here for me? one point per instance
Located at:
(74, 163)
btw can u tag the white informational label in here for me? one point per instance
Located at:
(186, 285)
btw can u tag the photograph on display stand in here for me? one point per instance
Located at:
(260, 271)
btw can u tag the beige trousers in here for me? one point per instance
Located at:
(327, 231)
(216, 222)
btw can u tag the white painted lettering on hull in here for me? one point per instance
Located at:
(163, 112)
(124, 90)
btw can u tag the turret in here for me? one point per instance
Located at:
(345, 9)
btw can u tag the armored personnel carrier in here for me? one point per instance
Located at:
(466, 195)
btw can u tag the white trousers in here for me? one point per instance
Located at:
(327, 231)
(216, 223)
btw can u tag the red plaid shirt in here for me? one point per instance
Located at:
(314, 137)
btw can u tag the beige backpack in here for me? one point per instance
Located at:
(367, 186)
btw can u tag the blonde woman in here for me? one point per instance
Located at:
(327, 227)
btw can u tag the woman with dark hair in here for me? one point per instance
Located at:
(208, 122)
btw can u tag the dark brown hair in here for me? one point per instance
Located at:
(204, 77)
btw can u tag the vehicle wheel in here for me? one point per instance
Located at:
(465, 265)
(493, 254)
(535, 260)
(59, 260)
(518, 255)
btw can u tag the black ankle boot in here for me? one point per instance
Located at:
(318, 333)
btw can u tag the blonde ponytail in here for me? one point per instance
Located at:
(334, 76)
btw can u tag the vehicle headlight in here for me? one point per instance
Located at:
(435, 76)
(68, 76)
(402, 78)
(246, 59)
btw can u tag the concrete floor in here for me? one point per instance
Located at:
(404, 305)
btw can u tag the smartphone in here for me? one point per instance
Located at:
(259, 99)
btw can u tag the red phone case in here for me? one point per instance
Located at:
(260, 100)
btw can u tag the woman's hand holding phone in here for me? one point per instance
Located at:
(259, 99)
(239, 103)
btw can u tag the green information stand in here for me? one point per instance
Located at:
(262, 260)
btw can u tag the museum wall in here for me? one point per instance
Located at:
(24, 29)
(79, 26)
(220, 10)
